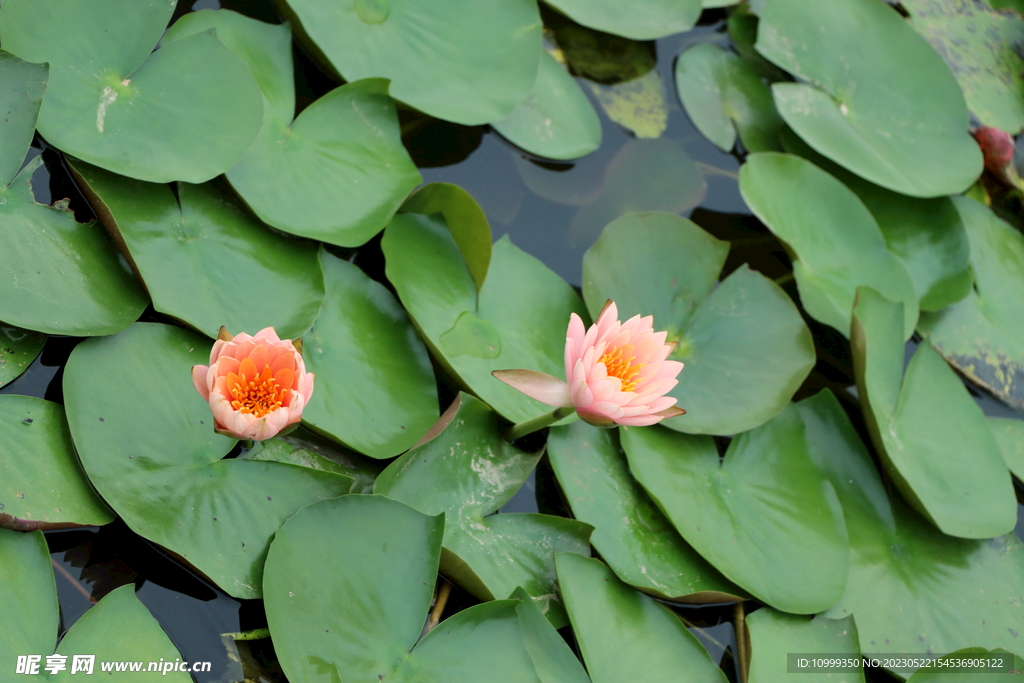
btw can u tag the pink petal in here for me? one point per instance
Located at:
(537, 385)
(199, 373)
(595, 419)
(269, 334)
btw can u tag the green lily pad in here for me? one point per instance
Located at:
(63, 277)
(18, 348)
(983, 335)
(188, 111)
(117, 628)
(467, 472)
(552, 658)
(766, 487)
(911, 588)
(625, 635)
(630, 533)
(837, 243)
(930, 433)
(305, 449)
(466, 221)
(458, 60)
(335, 173)
(522, 305)
(723, 95)
(200, 232)
(904, 129)
(1009, 435)
(22, 85)
(639, 20)
(644, 175)
(979, 45)
(146, 441)
(353, 609)
(556, 120)
(662, 265)
(31, 615)
(42, 486)
(774, 634)
(375, 388)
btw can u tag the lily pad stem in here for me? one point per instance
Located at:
(535, 424)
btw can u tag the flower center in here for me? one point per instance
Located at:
(617, 366)
(258, 395)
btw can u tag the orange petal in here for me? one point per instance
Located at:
(231, 381)
(260, 356)
(248, 370)
(226, 365)
(284, 379)
(284, 361)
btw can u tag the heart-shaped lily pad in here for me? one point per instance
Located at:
(837, 243)
(983, 335)
(517, 321)
(639, 20)
(335, 173)
(18, 348)
(979, 45)
(556, 120)
(42, 486)
(458, 60)
(467, 472)
(723, 95)
(745, 347)
(766, 487)
(775, 634)
(195, 230)
(625, 635)
(630, 533)
(904, 129)
(146, 441)
(305, 449)
(911, 588)
(22, 85)
(62, 277)
(118, 628)
(375, 388)
(930, 433)
(185, 112)
(353, 609)
(1009, 435)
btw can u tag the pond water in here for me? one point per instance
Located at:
(539, 206)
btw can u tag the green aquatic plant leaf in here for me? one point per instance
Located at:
(925, 427)
(146, 441)
(375, 388)
(335, 173)
(42, 485)
(308, 450)
(911, 588)
(774, 634)
(187, 111)
(22, 85)
(638, 20)
(630, 533)
(522, 305)
(983, 335)
(467, 471)
(31, 614)
(168, 232)
(766, 487)
(556, 120)
(18, 348)
(64, 277)
(458, 60)
(723, 95)
(838, 246)
(1009, 435)
(353, 609)
(624, 634)
(902, 128)
(666, 266)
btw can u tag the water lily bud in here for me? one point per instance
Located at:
(256, 386)
(616, 373)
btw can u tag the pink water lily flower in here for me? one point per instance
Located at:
(616, 373)
(256, 386)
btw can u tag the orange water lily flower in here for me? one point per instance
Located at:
(256, 386)
(616, 373)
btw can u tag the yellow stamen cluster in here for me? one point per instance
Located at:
(258, 396)
(617, 366)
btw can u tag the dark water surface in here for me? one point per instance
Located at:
(554, 211)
